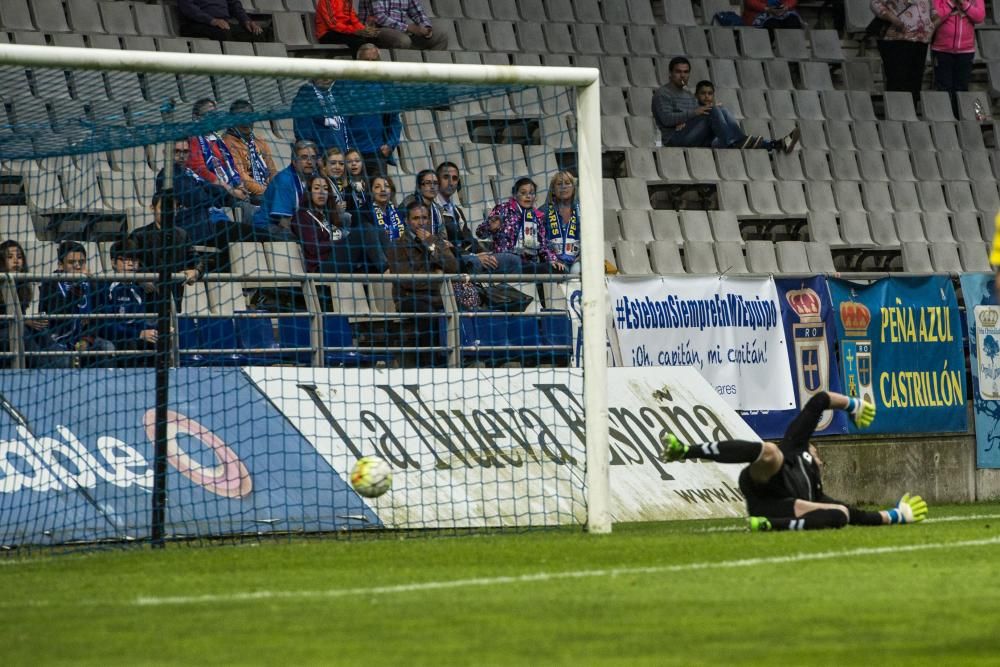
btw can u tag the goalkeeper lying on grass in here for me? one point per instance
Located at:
(782, 484)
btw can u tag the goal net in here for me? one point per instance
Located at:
(226, 279)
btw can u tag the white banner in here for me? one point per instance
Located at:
(505, 447)
(728, 328)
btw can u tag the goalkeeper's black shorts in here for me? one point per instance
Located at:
(770, 499)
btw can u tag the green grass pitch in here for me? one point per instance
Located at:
(680, 593)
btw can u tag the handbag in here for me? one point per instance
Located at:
(501, 296)
(877, 28)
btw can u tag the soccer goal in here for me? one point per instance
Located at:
(227, 278)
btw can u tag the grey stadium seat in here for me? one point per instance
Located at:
(944, 257)
(820, 258)
(699, 257)
(665, 257)
(635, 226)
(916, 258)
(729, 258)
(792, 257)
(695, 226)
(823, 228)
(974, 256)
(666, 226)
(835, 105)
(632, 258)
(760, 257)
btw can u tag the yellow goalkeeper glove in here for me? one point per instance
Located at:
(909, 509)
(862, 412)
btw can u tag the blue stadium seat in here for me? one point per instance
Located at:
(258, 333)
(208, 333)
(556, 329)
(337, 334)
(523, 330)
(483, 331)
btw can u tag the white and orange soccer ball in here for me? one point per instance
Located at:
(371, 476)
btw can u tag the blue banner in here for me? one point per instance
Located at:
(76, 459)
(901, 347)
(807, 316)
(983, 315)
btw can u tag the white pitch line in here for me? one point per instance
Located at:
(943, 519)
(551, 576)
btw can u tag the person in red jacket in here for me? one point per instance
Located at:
(954, 44)
(771, 14)
(337, 23)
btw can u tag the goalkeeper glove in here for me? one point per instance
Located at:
(673, 449)
(909, 509)
(862, 412)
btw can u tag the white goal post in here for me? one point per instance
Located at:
(586, 81)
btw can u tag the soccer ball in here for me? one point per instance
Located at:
(371, 476)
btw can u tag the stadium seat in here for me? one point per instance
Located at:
(666, 226)
(723, 42)
(701, 162)
(505, 10)
(899, 106)
(823, 228)
(15, 15)
(733, 197)
(826, 46)
(632, 258)
(117, 18)
(966, 228)
(729, 258)
(944, 257)
(815, 75)
(872, 166)
(965, 165)
(665, 257)
(699, 257)
(974, 256)
(883, 227)
(855, 230)
(635, 226)
(760, 257)
(820, 258)
(339, 349)
(792, 257)
(807, 105)
(916, 258)
(755, 44)
(909, 227)
(695, 226)
(679, 12)
(844, 166)
(731, 167)
(215, 335)
(930, 197)
(484, 331)
(925, 166)
(695, 42)
(764, 200)
(936, 106)
(899, 168)
(612, 228)
(816, 165)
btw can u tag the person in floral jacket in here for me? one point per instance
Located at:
(517, 227)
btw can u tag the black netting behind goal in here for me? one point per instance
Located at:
(310, 272)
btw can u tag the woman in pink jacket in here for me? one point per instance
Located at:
(954, 44)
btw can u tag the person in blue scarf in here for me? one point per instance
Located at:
(251, 154)
(561, 218)
(324, 126)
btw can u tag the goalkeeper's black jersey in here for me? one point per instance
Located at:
(799, 476)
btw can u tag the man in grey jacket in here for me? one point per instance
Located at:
(686, 120)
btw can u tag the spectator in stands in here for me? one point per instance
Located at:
(337, 23)
(771, 14)
(516, 226)
(402, 24)
(472, 256)
(360, 189)
(13, 260)
(221, 20)
(70, 297)
(199, 208)
(688, 120)
(376, 135)
(383, 215)
(127, 297)
(425, 189)
(954, 44)
(282, 196)
(165, 245)
(418, 250)
(561, 219)
(211, 159)
(328, 244)
(250, 154)
(903, 47)
(324, 126)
